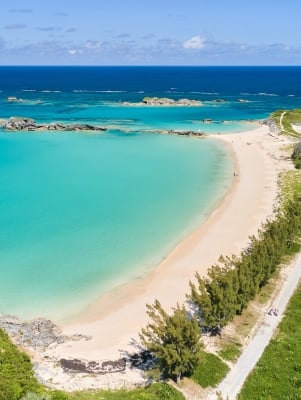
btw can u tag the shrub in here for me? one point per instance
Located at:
(16, 374)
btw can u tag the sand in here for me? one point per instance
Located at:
(115, 319)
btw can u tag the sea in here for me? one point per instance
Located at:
(82, 213)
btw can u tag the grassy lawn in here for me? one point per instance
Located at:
(230, 349)
(277, 376)
(290, 117)
(210, 372)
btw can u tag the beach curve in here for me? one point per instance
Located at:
(114, 320)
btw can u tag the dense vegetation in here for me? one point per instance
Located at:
(173, 339)
(236, 280)
(224, 293)
(277, 375)
(156, 391)
(16, 374)
(296, 156)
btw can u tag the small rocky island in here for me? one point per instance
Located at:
(29, 124)
(164, 101)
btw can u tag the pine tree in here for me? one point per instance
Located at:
(173, 339)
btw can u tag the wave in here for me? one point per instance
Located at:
(267, 94)
(172, 91)
(99, 91)
(191, 92)
(260, 94)
(51, 91)
(28, 90)
(210, 93)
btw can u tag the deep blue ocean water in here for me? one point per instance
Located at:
(82, 213)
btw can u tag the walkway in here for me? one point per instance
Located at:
(232, 384)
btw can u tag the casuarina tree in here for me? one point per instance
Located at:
(173, 339)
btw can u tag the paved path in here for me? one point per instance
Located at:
(232, 384)
(280, 122)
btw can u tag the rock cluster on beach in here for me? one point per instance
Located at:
(29, 124)
(37, 333)
(93, 367)
(274, 128)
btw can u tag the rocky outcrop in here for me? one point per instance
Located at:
(14, 99)
(164, 101)
(29, 124)
(93, 367)
(37, 333)
(183, 133)
(273, 126)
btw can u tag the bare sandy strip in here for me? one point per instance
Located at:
(297, 127)
(115, 319)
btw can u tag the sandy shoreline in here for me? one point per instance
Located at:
(114, 320)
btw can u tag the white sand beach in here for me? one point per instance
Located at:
(114, 320)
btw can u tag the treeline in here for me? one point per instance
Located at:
(296, 156)
(224, 293)
(230, 286)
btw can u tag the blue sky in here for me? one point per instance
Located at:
(151, 32)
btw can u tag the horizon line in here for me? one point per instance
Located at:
(152, 66)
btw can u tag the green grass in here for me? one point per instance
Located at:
(210, 372)
(290, 117)
(156, 391)
(230, 350)
(277, 375)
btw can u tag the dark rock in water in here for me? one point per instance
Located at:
(93, 367)
(29, 124)
(185, 133)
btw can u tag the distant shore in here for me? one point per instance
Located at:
(115, 319)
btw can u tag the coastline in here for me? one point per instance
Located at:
(114, 320)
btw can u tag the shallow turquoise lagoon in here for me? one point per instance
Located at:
(83, 213)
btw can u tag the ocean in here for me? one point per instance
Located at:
(83, 213)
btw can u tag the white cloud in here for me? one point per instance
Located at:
(195, 43)
(74, 52)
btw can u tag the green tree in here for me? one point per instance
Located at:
(216, 297)
(173, 339)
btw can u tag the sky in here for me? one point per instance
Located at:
(150, 32)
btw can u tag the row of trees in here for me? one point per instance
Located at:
(174, 339)
(229, 286)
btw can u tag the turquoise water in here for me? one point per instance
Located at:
(83, 213)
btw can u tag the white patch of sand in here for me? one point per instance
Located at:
(296, 128)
